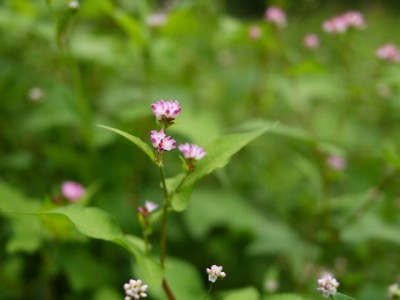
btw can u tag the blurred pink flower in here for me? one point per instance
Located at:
(311, 41)
(255, 32)
(156, 20)
(166, 110)
(192, 151)
(72, 191)
(275, 15)
(162, 142)
(336, 162)
(388, 52)
(341, 23)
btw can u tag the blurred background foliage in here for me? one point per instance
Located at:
(275, 218)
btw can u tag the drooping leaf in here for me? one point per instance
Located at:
(137, 141)
(218, 155)
(96, 223)
(91, 221)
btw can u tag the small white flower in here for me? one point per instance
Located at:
(394, 291)
(150, 206)
(215, 272)
(134, 289)
(35, 94)
(327, 285)
(73, 4)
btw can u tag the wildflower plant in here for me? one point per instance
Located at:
(176, 190)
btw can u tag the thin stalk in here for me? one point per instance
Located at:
(163, 238)
(209, 291)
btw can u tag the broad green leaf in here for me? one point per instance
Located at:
(218, 155)
(137, 141)
(96, 223)
(248, 293)
(339, 296)
(91, 221)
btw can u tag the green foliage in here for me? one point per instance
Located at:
(280, 204)
(218, 155)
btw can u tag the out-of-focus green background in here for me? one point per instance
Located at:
(276, 217)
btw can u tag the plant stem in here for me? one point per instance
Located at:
(167, 290)
(209, 291)
(163, 239)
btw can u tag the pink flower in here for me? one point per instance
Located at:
(135, 289)
(327, 285)
(311, 41)
(275, 15)
(192, 151)
(156, 20)
(388, 52)
(343, 22)
(166, 110)
(255, 32)
(72, 190)
(336, 162)
(354, 19)
(162, 142)
(149, 207)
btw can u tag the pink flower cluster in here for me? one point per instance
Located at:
(388, 52)
(72, 191)
(343, 22)
(192, 151)
(276, 16)
(255, 32)
(166, 111)
(327, 285)
(336, 162)
(161, 141)
(311, 41)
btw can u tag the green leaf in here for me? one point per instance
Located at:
(137, 141)
(339, 296)
(96, 223)
(248, 293)
(91, 221)
(218, 155)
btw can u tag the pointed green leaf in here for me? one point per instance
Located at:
(339, 296)
(218, 155)
(137, 141)
(91, 221)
